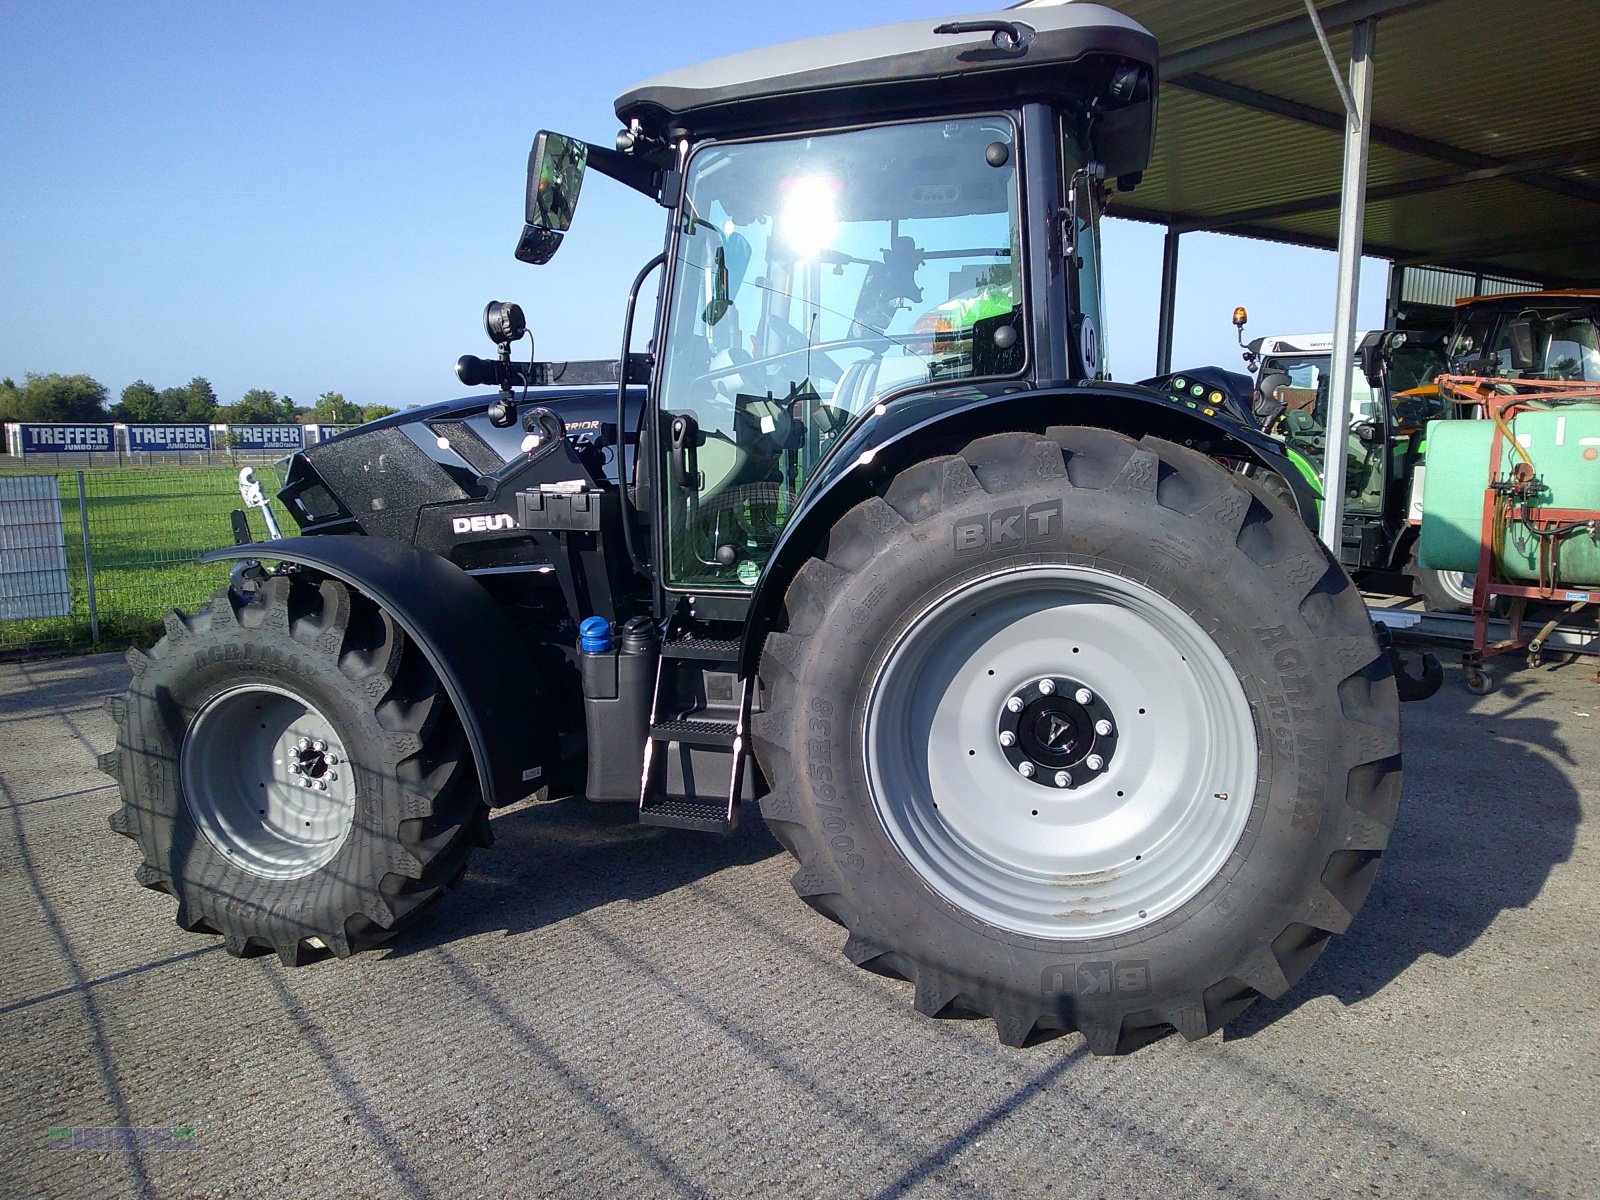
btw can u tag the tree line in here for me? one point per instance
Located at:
(82, 398)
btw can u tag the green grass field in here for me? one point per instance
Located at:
(146, 526)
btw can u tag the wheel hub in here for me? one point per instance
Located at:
(312, 763)
(1057, 732)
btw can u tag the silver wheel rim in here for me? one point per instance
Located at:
(1458, 585)
(1116, 851)
(266, 780)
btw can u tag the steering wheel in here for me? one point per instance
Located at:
(766, 366)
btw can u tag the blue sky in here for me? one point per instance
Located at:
(313, 198)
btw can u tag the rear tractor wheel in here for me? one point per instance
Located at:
(292, 771)
(1080, 733)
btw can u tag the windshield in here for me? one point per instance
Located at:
(815, 277)
(1564, 346)
(1564, 342)
(1413, 365)
(1306, 393)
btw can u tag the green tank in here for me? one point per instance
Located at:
(1564, 444)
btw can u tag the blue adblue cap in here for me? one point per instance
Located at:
(595, 635)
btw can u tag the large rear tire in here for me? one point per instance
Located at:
(292, 771)
(1080, 733)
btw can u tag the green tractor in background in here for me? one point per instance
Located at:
(1392, 401)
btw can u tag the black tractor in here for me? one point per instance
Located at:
(1065, 719)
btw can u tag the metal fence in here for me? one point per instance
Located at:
(67, 460)
(98, 557)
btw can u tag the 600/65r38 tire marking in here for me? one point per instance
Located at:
(952, 819)
(292, 771)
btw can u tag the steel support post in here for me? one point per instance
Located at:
(88, 562)
(1169, 300)
(1352, 216)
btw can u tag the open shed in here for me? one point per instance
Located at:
(1466, 125)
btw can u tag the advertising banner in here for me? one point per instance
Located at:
(67, 439)
(324, 432)
(155, 439)
(281, 439)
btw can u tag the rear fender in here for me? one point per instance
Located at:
(924, 426)
(481, 659)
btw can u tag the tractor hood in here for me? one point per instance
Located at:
(377, 478)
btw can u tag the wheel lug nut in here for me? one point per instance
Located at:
(1063, 778)
(1094, 762)
(1007, 738)
(303, 781)
(319, 745)
(1103, 727)
(320, 784)
(1046, 686)
(303, 744)
(1027, 769)
(296, 769)
(331, 776)
(1014, 704)
(1084, 696)
(334, 760)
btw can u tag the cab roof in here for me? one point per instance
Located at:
(1066, 55)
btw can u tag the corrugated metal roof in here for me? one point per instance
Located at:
(1485, 151)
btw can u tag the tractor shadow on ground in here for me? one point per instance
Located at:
(556, 859)
(1484, 819)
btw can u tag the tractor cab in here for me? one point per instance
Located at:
(819, 270)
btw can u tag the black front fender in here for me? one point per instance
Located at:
(481, 659)
(930, 424)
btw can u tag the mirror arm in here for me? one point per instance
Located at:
(639, 174)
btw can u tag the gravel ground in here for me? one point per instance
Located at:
(607, 1010)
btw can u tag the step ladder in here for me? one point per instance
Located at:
(705, 738)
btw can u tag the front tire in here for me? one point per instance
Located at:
(292, 771)
(1210, 731)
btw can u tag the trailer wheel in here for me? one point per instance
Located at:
(293, 772)
(1080, 733)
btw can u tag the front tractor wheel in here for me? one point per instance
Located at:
(1080, 733)
(292, 771)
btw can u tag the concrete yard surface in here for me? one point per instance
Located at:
(602, 1009)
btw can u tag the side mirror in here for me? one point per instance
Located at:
(1522, 339)
(537, 246)
(1370, 360)
(555, 174)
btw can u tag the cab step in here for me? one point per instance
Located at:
(690, 732)
(697, 753)
(679, 812)
(703, 649)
